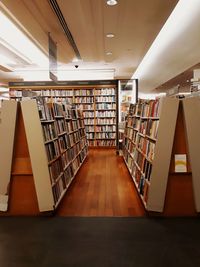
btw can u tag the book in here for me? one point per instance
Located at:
(180, 163)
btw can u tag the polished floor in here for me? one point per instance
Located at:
(99, 242)
(100, 223)
(102, 187)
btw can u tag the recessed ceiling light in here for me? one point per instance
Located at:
(108, 53)
(110, 35)
(111, 2)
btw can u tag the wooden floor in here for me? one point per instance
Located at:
(102, 187)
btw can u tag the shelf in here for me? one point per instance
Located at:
(101, 117)
(108, 109)
(84, 96)
(103, 124)
(53, 160)
(141, 134)
(106, 138)
(99, 102)
(136, 184)
(57, 179)
(105, 95)
(59, 117)
(60, 134)
(87, 103)
(49, 141)
(141, 152)
(151, 138)
(46, 121)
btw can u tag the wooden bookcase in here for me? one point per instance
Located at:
(49, 177)
(152, 167)
(98, 102)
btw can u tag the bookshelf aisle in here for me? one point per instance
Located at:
(98, 102)
(139, 143)
(57, 147)
(156, 134)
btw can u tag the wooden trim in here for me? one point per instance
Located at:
(38, 88)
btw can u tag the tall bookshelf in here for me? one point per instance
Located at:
(98, 103)
(57, 147)
(156, 133)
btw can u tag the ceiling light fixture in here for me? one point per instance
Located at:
(110, 35)
(167, 39)
(15, 40)
(111, 2)
(108, 53)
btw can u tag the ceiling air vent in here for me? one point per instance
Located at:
(64, 26)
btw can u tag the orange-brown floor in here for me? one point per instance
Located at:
(102, 187)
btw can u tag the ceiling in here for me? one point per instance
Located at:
(134, 23)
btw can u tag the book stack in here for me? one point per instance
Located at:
(139, 143)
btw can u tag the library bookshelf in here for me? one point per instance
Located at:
(97, 101)
(46, 151)
(156, 132)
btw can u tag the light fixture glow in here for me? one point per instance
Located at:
(110, 35)
(74, 60)
(6, 60)
(167, 37)
(15, 40)
(111, 2)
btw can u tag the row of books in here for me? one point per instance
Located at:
(60, 185)
(131, 134)
(106, 106)
(105, 98)
(88, 121)
(100, 135)
(140, 176)
(106, 143)
(133, 122)
(140, 142)
(147, 147)
(76, 136)
(73, 125)
(88, 114)
(152, 128)
(101, 121)
(145, 108)
(105, 91)
(83, 92)
(106, 114)
(89, 128)
(85, 106)
(67, 92)
(106, 128)
(105, 121)
(50, 131)
(61, 126)
(87, 99)
(55, 170)
(102, 143)
(57, 167)
(105, 135)
(52, 150)
(54, 92)
(130, 146)
(150, 108)
(147, 128)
